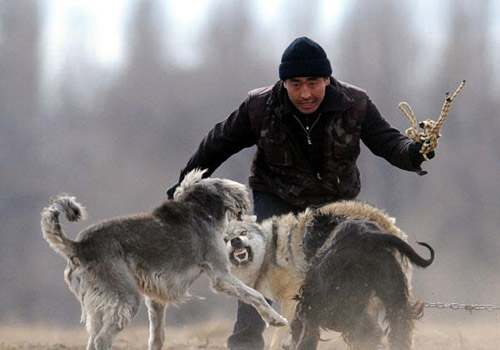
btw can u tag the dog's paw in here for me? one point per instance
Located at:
(278, 321)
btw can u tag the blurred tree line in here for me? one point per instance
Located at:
(118, 138)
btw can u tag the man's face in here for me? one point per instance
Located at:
(306, 93)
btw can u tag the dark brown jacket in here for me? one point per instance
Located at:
(280, 166)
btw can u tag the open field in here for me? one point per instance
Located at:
(435, 335)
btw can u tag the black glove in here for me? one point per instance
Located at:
(417, 158)
(171, 190)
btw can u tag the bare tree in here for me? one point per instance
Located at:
(20, 138)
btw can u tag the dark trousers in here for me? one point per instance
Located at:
(247, 332)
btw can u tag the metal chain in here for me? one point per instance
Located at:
(457, 306)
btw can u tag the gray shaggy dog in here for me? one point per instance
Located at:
(112, 264)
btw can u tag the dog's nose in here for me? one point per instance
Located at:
(236, 242)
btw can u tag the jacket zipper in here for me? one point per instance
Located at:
(294, 144)
(308, 129)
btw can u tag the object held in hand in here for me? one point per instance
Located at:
(430, 128)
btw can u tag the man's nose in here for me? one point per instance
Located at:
(305, 92)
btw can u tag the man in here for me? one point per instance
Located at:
(307, 128)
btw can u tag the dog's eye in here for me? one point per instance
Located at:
(243, 233)
(226, 239)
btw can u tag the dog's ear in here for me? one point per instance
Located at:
(227, 219)
(249, 218)
(190, 180)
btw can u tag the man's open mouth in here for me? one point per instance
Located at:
(241, 256)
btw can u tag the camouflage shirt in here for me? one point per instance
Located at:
(281, 166)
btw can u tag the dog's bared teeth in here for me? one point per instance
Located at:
(240, 254)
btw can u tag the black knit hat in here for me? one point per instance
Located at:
(304, 58)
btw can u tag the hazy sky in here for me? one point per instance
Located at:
(96, 30)
(102, 25)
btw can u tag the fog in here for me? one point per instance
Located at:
(114, 125)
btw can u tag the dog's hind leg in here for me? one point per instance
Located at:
(365, 334)
(401, 329)
(115, 320)
(391, 288)
(156, 313)
(93, 325)
(309, 337)
(296, 330)
(116, 297)
(108, 332)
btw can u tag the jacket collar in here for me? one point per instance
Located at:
(337, 98)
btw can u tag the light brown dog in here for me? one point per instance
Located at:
(269, 256)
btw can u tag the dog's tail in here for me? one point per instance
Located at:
(404, 248)
(51, 228)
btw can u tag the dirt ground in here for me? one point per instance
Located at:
(435, 335)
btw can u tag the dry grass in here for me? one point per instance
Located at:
(212, 336)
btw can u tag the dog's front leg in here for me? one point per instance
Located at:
(309, 337)
(156, 312)
(232, 286)
(288, 307)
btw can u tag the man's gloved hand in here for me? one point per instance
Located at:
(417, 158)
(171, 190)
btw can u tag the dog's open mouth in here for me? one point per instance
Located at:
(241, 256)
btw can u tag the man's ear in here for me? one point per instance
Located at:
(327, 81)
